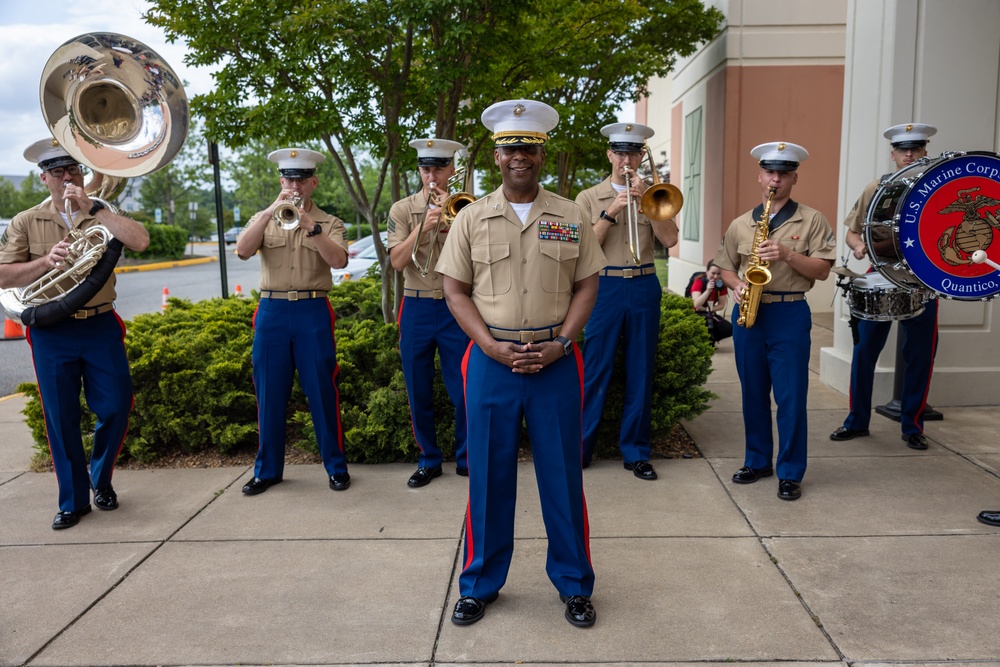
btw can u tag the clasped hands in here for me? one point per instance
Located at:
(529, 358)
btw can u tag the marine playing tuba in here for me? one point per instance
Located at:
(114, 105)
(757, 274)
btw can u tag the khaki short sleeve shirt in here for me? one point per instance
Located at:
(522, 276)
(616, 245)
(855, 220)
(33, 233)
(290, 260)
(405, 216)
(806, 232)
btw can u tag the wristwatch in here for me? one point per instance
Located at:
(566, 343)
(605, 216)
(317, 230)
(95, 208)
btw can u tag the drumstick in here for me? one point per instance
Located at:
(979, 257)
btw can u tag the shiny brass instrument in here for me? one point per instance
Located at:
(116, 107)
(449, 209)
(286, 214)
(660, 201)
(757, 274)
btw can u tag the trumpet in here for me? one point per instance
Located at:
(449, 209)
(660, 201)
(286, 213)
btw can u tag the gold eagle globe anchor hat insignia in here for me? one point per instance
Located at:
(779, 155)
(627, 137)
(296, 162)
(910, 135)
(520, 122)
(433, 152)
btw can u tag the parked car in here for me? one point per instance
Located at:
(231, 234)
(360, 246)
(357, 266)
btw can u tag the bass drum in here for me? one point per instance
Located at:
(873, 297)
(926, 221)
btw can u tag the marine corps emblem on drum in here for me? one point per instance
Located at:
(913, 234)
(975, 232)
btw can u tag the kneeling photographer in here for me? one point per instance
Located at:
(709, 296)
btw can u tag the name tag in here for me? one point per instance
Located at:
(558, 231)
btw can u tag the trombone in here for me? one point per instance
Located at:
(660, 201)
(449, 209)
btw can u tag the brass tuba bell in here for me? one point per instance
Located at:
(116, 107)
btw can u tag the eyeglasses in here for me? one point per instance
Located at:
(627, 154)
(74, 170)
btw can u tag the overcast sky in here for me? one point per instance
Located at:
(32, 32)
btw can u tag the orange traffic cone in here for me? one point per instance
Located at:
(12, 330)
(238, 293)
(166, 295)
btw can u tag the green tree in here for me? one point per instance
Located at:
(365, 77)
(29, 194)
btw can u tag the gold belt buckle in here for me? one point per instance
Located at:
(526, 336)
(81, 314)
(292, 295)
(437, 294)
(627, 273)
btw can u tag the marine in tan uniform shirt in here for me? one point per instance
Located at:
(627, 312)
(294, 323)
(773, 354)
(520, 269)
(84, 348)
(426, 326)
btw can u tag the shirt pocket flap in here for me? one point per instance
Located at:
(560, 251)
(490, 253)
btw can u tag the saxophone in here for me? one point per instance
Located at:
(757, 274)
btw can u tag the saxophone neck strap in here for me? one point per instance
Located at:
(779, 218)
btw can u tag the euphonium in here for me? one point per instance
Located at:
(757, 274)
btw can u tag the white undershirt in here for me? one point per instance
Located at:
(522, 211)
(66, 221)
(618, 188)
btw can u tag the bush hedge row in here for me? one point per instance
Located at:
(191, 370)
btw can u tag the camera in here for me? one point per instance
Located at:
(718, 284)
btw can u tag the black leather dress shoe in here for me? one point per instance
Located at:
(423, 477)
(258, 485)
(106, 498)
(468, 610)
(916, 441)
(642, 469)
(579, 611)
(68, 519)
(789, 490)
(340, 481)
(462, 472)
(747, 475)
(844, 433)
(990, 518)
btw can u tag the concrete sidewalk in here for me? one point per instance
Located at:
(880, 562)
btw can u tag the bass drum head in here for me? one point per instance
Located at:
(926, 221)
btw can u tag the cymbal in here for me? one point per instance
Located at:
(844, 271)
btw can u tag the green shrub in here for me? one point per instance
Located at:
(165, 242)
(191, 369)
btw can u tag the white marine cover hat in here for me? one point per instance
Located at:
(433, 152)
(910, 135)
(48, 154)
(627, 137)
(520, 122)
(296, 162)
(779, 155)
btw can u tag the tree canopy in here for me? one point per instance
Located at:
(365, 77)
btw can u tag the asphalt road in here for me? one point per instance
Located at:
(142, 292)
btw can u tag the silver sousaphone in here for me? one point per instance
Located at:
(114, 105)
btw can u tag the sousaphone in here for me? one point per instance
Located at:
(114, 105)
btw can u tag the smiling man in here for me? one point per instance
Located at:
(520, 268)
